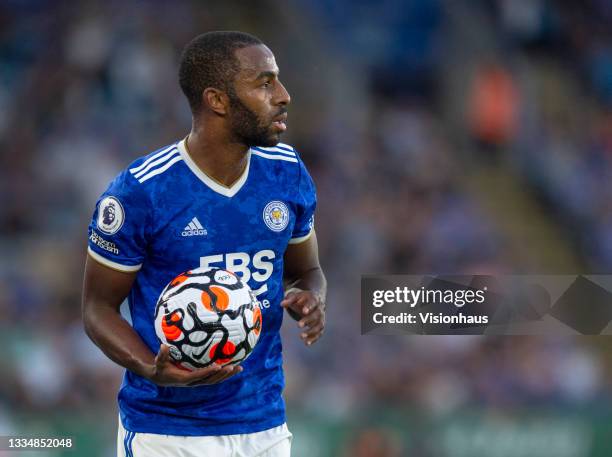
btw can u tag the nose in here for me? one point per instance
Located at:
(282, 96)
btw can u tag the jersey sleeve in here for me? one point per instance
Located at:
(118, 229)
(306, 205)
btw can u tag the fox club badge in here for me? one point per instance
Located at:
(276, 216)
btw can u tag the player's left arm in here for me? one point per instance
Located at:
(306, 288)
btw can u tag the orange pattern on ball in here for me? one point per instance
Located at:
(227, 349)
(179, 279)
(257, 320)
(222, 297)
(171, 331)
(206, 301)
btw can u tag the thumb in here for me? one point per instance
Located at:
(162, 355)
(291, 296)
(289, 299)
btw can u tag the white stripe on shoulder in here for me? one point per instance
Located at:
(150, 159)
(161, 160)
(274, 157)
(276, 150)
(110, 264)
(285, 146)
(160, 170)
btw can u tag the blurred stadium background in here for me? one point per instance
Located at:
(444, 136)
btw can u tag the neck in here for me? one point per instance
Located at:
(222, 160)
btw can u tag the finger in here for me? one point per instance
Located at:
(314, 339)
(309, 320)
(233, 372)
(300, 304)
(202, 374)
(312, 332)
(174, 375)
(290, 299)
(294, 314)
(223, 374)
(310, 339)
(310, 305)
(162, 356)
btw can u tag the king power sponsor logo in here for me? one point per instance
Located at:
(194, 228)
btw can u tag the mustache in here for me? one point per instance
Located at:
(281, 112)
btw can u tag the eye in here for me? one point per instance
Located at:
(266, 84)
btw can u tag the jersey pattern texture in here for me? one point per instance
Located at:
(162, 216)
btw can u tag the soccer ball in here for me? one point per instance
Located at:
(207, 316)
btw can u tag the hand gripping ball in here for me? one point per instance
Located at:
(207, 316)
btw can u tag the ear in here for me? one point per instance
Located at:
(216, 100)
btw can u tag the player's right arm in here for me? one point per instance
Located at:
(118, 243)
(104, 289)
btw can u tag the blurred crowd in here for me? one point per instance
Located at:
(564, 143)
(84, 89)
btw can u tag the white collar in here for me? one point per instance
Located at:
(211, 183)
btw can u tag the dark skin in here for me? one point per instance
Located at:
(258, 87)
(306, 289)
(218, 152)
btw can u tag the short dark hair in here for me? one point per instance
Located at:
(209, 61)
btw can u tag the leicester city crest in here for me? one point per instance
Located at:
(276, 216)
(110, 215)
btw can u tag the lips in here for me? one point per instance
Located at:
(280, 122)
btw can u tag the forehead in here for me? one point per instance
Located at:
(254, 60)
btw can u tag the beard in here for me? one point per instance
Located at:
(247, 127)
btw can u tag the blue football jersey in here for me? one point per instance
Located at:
(163, 216)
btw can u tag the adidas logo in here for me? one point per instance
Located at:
(194, 228)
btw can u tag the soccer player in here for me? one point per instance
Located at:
(229, 195)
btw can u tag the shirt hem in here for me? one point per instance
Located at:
(112, 265)
(301, 239)
(229, 429)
